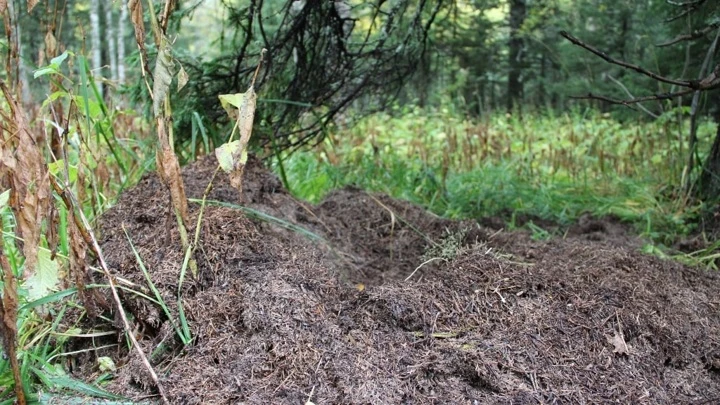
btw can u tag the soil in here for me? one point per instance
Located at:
(375, 300)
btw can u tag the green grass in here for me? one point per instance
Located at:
(551, 167)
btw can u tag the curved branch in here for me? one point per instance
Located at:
(610, 59)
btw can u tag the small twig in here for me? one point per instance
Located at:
(640, 106)
(690, 7)
(312, 391)
(661, 96)
(690, 36)
(169, 6)
(422, 264)
(257, 69)
(87, 233)
(497, 291)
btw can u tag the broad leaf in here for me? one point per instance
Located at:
(45, 278)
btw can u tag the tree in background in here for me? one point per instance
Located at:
(518, 11)
(701, 24)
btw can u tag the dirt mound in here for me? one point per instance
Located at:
(386, 303)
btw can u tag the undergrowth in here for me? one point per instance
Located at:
(555, 168)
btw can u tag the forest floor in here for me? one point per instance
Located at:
(379, 301)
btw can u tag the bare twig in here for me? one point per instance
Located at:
(683, 83)
(640, 106)
(690, 36)
(659, 96)
(422, 264)
(169, 7)
(711, 81)
(690, 6)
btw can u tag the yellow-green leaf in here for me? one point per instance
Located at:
(57, 168)
(106, 364)
(226, 155)
(45, 278)
(4, 198)
(231, 103)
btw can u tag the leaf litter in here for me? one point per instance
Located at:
(278, 317)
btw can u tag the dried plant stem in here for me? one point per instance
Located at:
(84, 226)
(8, 323)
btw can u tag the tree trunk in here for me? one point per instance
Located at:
(110, 40)
(121, 41)
(709, 182)
(22, 70)
(515, 86)
(96, 51)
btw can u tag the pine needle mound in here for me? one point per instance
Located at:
(378, 301)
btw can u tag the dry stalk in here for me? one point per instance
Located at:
(84, 226)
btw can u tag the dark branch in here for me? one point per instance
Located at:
(691, 36)
(610, 59)
(689, 6)
(628, 102)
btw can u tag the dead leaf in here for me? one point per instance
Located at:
(136, 16)
(8, 324)
(182, 78)
(169, 170)
(247, 116)
(50, 45)
(618, 342)
(233, 155)
(29, 181)
(31, 5)
(78, 265)
(162, 75)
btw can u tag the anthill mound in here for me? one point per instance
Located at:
(377, 301)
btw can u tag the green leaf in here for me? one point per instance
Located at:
(106, 364)
(45, 71)
(50, 298)
(54, 96)
(57, 168)
(65, 382)
(226, 155)
(53, 67)
(58, 60)
(45, 278)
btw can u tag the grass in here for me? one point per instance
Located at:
(552, 167)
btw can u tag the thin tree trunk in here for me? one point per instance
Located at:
(712, 164)
(110, 40)
(515, 86)
(22, 70)
(96, 50)
(709, 187)
(121, 41)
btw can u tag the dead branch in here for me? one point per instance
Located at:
(710, 82)
(690, 6)
(639, 69)
(658, 96)
(691, 36)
